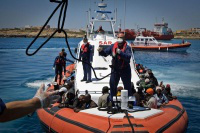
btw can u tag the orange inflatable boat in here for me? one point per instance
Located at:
(171, 118)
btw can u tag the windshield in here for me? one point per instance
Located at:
(102, 28)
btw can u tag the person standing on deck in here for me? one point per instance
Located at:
(65, 56)
(58, 66)
(66, 59)
(120, 68)
(86, 56)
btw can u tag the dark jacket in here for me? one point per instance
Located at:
(86, 55)
(61, 61)
(90, 104)
(168, 95)
(125, 56)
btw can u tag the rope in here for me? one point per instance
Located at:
(63, 4)
(126, 112)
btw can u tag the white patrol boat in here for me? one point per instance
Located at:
(170, 118)
(100, 63)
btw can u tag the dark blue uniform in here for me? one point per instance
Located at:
(2, 106)
(120, 69)
(60, 64)
(86, 56)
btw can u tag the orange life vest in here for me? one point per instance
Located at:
(60, 61)
(85, 48)
(114, 51)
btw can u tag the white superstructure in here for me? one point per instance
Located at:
(100, 63)
(141, 40)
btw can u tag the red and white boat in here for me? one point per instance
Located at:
(151, 44)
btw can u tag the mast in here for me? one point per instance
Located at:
(102, 16)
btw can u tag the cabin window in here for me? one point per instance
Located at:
(142, 39)
(150, 40)
(138, 39)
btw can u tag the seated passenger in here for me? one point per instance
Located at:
(61, 92)
(78, 103)
(151, 101)
(102, 102)
(152, 78)
(139, 96)
(88, 103)
(100, 30)
(161, 98)
(146, 84)
(142, 79)
(68, 96)
(119, 89)
(168, 94)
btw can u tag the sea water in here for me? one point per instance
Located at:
(21, 75)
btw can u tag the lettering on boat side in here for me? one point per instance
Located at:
(105, 42)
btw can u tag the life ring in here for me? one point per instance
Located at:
(159, 44)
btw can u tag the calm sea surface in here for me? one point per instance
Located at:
(21, 75)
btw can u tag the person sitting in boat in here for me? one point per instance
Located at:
(119, 89)
(100, 30)
(68, 96)
(142, 79)
(120, 68)
(146, 84)
(141, 69)
(152, 78)
(86, 56)
(168, 94)
(161, 98)
(78, 103)
(61, 92)
(137, 66)
(85, 102)
(139, 96)
(103, 100)
(89, 103)
(151, 101)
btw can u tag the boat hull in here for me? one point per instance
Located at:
(173, 47)
(173, 119)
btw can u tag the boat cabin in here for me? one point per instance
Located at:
(141, 40)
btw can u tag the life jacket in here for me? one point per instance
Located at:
(114, 52)
(60, 61)
(85, 48)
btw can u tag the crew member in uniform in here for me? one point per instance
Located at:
(120, 68)
(86, 56)
(58, 66)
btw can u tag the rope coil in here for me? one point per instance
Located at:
(63, 4)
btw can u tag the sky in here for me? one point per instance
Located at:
(180, 14)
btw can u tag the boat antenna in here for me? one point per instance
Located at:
(124, 16)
